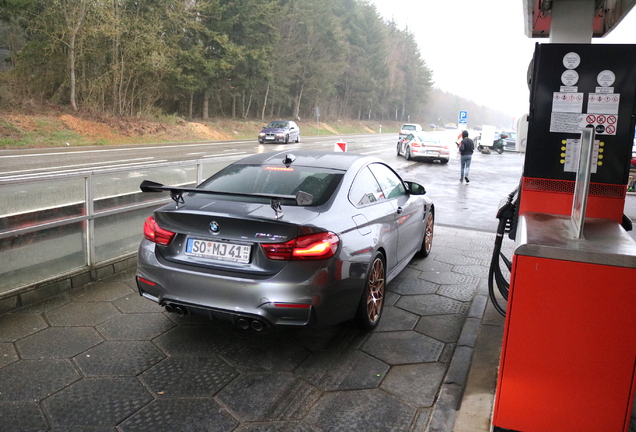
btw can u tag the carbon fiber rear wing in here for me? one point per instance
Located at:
(176, 193)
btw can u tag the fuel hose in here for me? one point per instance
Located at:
(506, 216)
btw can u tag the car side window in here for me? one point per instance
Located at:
(392, 186)
(365, 189)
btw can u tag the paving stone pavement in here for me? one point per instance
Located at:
(101, 358)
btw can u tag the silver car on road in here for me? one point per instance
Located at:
(281, 239)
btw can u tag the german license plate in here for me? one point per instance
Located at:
(432, 153)
(218, 250)
(269, 137)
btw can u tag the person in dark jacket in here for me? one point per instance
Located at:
(466, 147)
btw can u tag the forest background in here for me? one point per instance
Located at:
(135, 68)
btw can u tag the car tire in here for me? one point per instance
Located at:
(298, 138)
(443, 161)
(286, 139)
(407, 153)
(500, 150)
(398, 149)
(427, 241)
(260, 141)
(372, 301)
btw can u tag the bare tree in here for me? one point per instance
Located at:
(74, 12)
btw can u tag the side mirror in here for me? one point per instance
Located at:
(415, 188)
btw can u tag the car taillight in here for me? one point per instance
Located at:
(279, 251)
(415, 144)
(314, 246)
(156, 234)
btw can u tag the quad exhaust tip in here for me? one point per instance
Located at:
(175, 309)
(244, 324)
(257, 325)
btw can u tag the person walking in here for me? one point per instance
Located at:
(466, 147)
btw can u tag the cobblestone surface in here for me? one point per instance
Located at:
(101, 358)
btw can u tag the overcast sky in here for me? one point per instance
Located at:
(477, 49)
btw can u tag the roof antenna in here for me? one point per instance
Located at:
(289, 158)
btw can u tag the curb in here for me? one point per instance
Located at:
(452, 390)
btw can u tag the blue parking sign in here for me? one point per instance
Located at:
(463, 115)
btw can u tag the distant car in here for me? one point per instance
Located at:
(423, 146)
(510, 140)
(285, 240)
(432, 126)
(477, 128)
(279, 131)
(408, 128)
(450, 126)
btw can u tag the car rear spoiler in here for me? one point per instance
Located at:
(176, 193)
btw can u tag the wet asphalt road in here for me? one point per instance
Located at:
(471, 205)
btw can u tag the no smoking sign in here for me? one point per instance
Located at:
(603, 124)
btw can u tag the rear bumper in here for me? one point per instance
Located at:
(312, 293)
(422, 154)
(271, 316)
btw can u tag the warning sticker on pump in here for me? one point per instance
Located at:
(603, 103)
(567, 102)
(573, 123)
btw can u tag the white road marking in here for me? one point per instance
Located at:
(86, 165)
(121, 149)
(224, 155)
(17, 176)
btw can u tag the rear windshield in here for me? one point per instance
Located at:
(277, 180)
(428, 138)
(408, 127)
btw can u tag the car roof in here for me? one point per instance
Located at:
(308, 158)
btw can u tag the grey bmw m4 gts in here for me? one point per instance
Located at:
(280, 239)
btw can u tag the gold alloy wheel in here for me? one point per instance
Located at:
(375, 298)
(428, 235)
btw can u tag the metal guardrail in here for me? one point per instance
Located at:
(57, 226)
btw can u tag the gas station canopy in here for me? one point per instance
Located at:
(607, 15)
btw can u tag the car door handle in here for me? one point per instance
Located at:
(400, 210)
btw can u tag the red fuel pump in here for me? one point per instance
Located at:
(568, 358)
